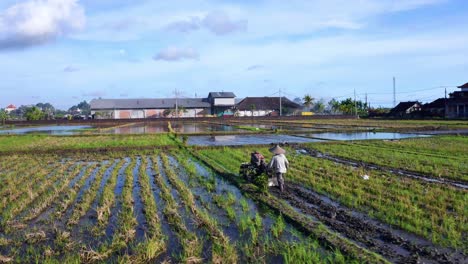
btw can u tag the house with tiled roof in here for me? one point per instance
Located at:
(405, 109)
(457, 103)
(10, 108)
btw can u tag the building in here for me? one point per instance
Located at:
(10, 108)
(216, 103)
(457, 103)
(221, 102)
(266, 106)
(406, 109)
(435, 108)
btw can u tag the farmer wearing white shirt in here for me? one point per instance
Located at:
(278, 165)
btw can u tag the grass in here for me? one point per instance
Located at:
(29, 143)
(443, 156)
(426, 209)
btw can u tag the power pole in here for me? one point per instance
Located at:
(281, 110)
(394, 93)
(366, 106)
(355, 103)
(176, 102)
(445, 103)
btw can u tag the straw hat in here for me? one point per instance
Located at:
(277, 150)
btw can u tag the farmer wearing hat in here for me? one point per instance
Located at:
(278, 165)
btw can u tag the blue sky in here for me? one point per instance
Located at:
(66, 51)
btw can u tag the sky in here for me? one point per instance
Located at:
(67, 51)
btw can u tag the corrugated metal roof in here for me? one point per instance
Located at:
(221, 95)
(161, 103)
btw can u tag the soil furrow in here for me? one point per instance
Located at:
(396, 245)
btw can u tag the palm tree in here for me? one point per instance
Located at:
(3, 116)
(308, 100)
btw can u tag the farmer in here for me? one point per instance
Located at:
(278, 165)
(257, 159)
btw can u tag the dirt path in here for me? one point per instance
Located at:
(396, 245)
(405, 173)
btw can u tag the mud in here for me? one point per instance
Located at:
(396, 245)
(401, 172)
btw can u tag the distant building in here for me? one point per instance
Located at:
(435, 108)
(221, 102)
(457, 103)
(10, 108)
(266, 106)
(216, 103)
(405, 109)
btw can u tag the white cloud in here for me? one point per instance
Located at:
(218, 22)
(177, 54)
(70, 69)
(39, 21)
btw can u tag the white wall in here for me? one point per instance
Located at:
(224, 101)
(255, 113)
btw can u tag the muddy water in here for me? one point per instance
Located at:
(51, 130)
(141, 228)
(233, 140)
(361, 135)
(178, 127)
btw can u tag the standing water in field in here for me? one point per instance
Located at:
(51, 130)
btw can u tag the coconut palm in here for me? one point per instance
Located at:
(308, 100)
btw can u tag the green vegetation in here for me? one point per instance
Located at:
(34, 143)
(443, 156)
(437, 212)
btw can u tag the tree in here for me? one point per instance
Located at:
(84, 107)
(252, 109)
(34, 113)
(349, 107)
(3, 115)
(308, 101)
(319, 107)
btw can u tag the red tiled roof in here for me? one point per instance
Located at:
(11, 106)
(463, 86)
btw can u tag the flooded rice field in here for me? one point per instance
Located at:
(234, 140)
(50, 130)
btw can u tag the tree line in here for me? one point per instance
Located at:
(45, 111)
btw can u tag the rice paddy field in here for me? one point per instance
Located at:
(152, 198)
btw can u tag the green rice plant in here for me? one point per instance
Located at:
(88, 197)
(107, 199)
(51, 195)
(278, 227)
(68, 198)
(210, 224)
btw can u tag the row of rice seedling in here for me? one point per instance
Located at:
(28, 191)
(425, 209)
(107, 200)
(408, 156)
(191, 245)
(12, 176)
(52, 194)
(84, 204)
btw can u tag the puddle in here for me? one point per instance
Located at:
(51, 130)
(362, 135)
(178, 127)
(230, 140)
